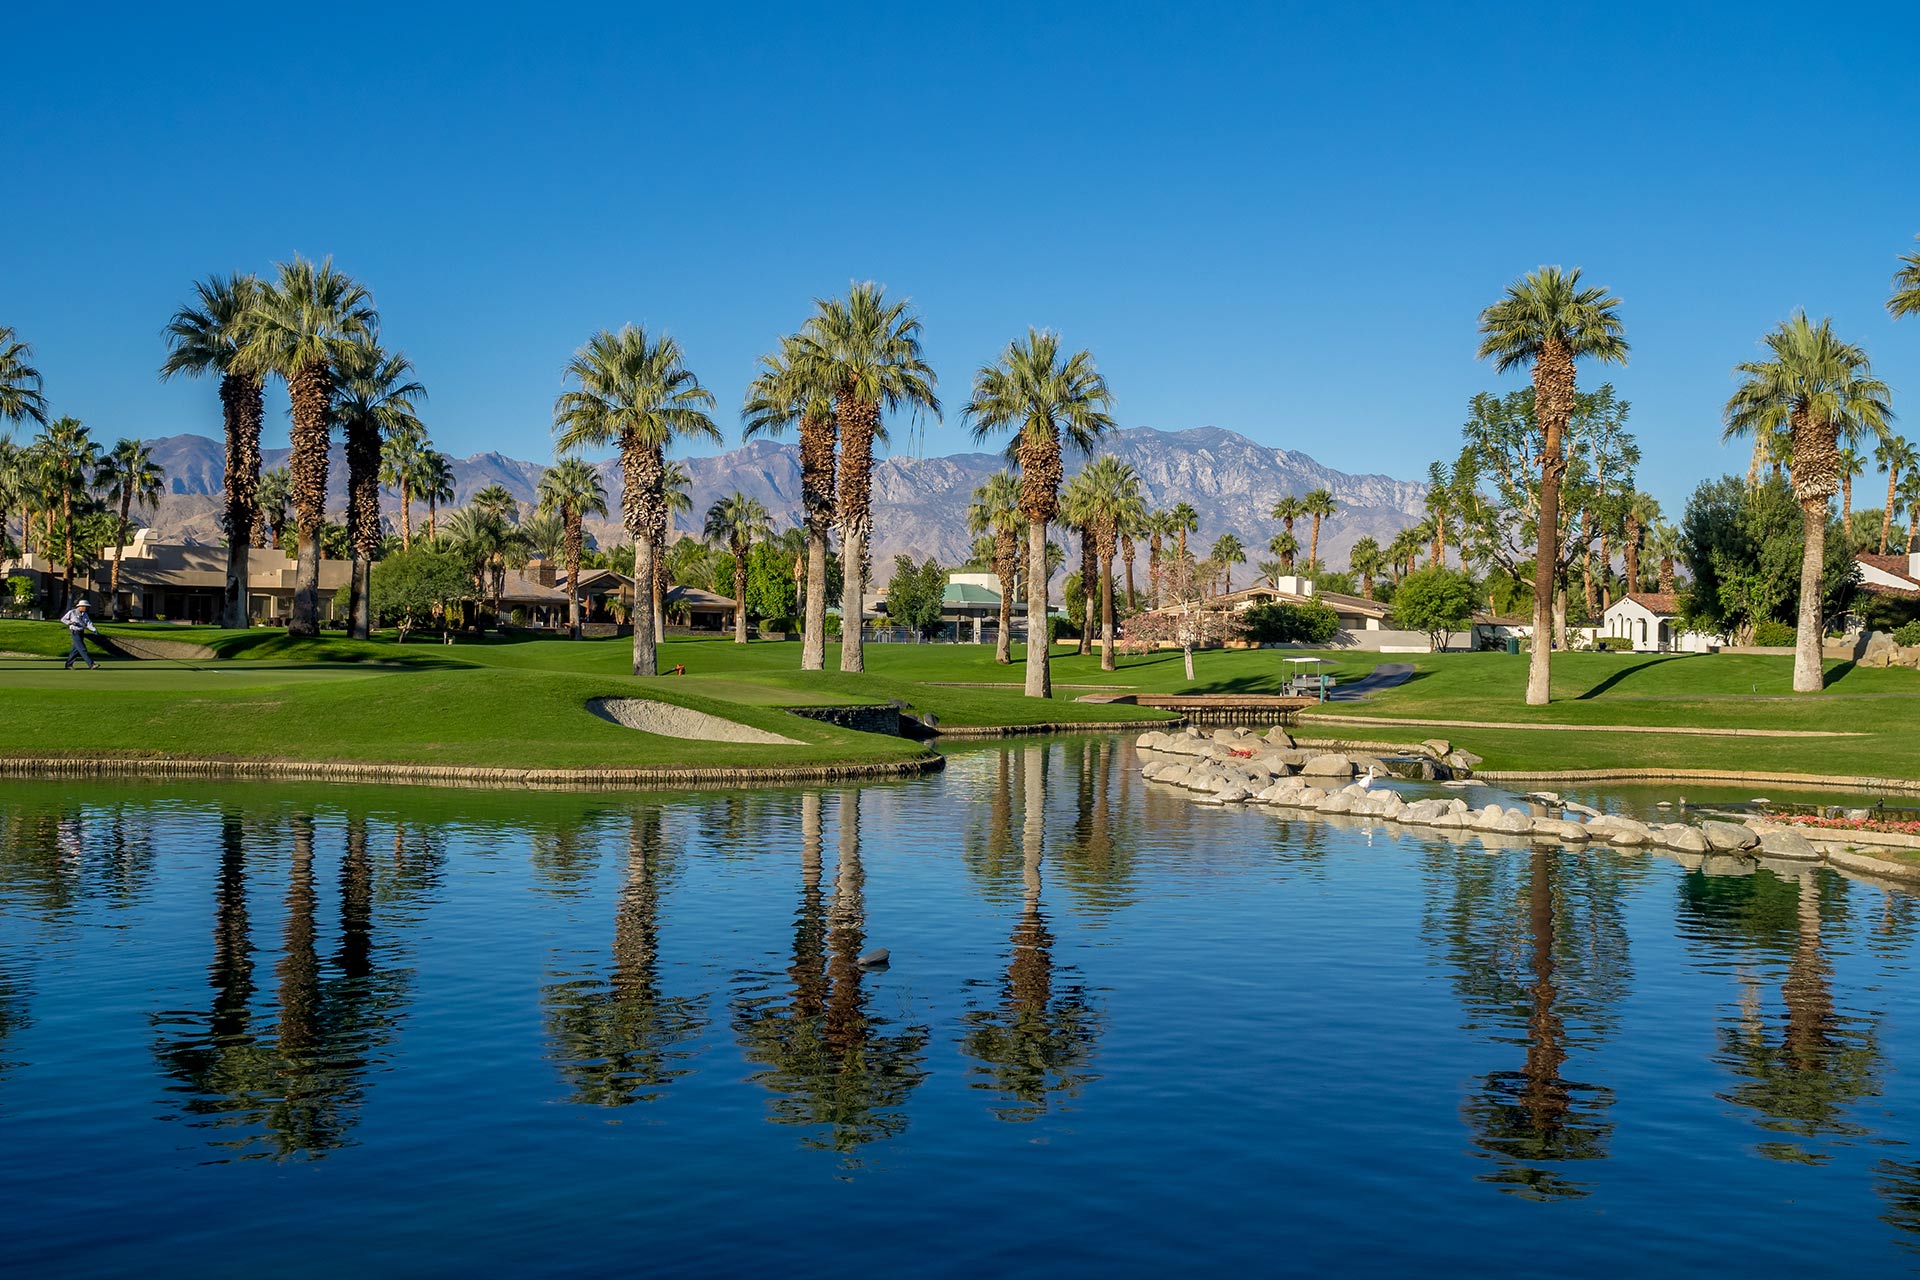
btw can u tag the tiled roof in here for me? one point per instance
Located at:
(1660, 603)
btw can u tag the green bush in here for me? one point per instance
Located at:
(785, 626)
(1774, 634)
(1616, 644)
(1907, 635)
(1308, 623)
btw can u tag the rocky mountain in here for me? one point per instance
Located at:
(920, 504)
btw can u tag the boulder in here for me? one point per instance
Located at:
(1510, 822)
(1232, 795)
(1328, 765)
(1574, 807)
(1338, 802)
(1436, 747)
(1549, 829)
(1150, 740)
(1423, 812)
(1230, 736)
(1449, 820)
(1278, 737)
(1309, 797)
(1627, 833)
(1879, 650)
(1788, 844)
(1462, 761)
(1728, 837)
(1681, 838)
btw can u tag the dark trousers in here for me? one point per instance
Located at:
(79, 651)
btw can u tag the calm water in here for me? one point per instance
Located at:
(303, 1030)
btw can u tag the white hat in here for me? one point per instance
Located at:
(81, 605)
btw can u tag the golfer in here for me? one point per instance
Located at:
(78, 624)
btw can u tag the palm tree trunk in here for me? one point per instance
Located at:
(1846, 505)
(853, 551)
(1106, 616)
(1886, 517)
(858, 422)
(574, 543)
(432, 508)
(311, 391)
(119, 552)
(406, 519)
(645, 661)
(1553, 395)
(813, 637)
(1006, 548)
(66, 584)
(1807, 673)
(241, 405)
(1039, 677)
(1313, 549)
(1127, 550)
(1088, 562)
(739, 596)
(641, 471)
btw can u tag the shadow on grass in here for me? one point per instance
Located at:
(1837, 673)
(1622, 674)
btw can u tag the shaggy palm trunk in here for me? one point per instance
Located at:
(119, 553)
(1313, 549)
(363, 522)
(1553, 389)
(432, 508)
(817, 438)
(1153, 571)
(311, 390)
(1106, 609)
(1006, 555)
(575, 545)
(1815, 472)
(641, 475)
(406, 519)
(739, 595)
(1886, 517)
(1126, 556)
(1088, 571)
(1039, 677)
(66, 580)
(1589, 588)
(1846, 506)
(858, 421)
(241, 405)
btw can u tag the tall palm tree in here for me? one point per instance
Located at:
(375, 397)
(1663, 544)
(867, 350)
(1182, 520)
(637, 394)
(1547, 320)
(1158, 526)
(485, 539)
(1850, 463)
(272, 499)
(676, 498)
(436, 485)
(1641, 513)
(1895, 456)
(497, 501)
(1285, 547)
(1366, 560)
(1111, 501)
(12, 487)
(307, 320)
(738, 521)
(1228, 552)
(571, 487)
(1128, 532)
(1905, 300)
(1048, 400)
(1910, 498)
(1290, 508)
(403, 470)
(129, 475)
(70, 456)
(1320, 505)
(1404, 550)
(21, 399)
(995, 514)
(790, 392)
(1823, 391)
(208, 335)
(1076, 513)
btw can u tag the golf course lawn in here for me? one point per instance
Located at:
(520, 702)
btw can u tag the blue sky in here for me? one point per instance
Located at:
(1282, 220)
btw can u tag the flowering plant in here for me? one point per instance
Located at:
(1887, 825)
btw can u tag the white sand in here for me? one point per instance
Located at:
(669, 721)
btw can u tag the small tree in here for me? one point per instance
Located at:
(1311, 622)
(1185, 620)
(916, 594)
(1435, 601)
(411, 587)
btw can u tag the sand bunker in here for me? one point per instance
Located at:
(669, 721)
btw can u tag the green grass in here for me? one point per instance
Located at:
(520, 701)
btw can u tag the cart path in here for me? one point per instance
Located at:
(1317, 717)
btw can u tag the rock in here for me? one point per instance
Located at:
(1557, 829)
(1788, 844)
(1573, 807)
(878, 958)
(1879, 650)
(1233, 794)
(1328, 765)
(1279, 737)
(1908, 656)
(1338, 802)
(1423, 812)
(1230, 736)
(1436, 747)
(1681, 838)
(1463, 761)
(1485, 819)
(1362, 763)
(1551, 798)
(1150, 740)
(1728, 837)
(1309, 798)
(1620, 831)
(1448, 820)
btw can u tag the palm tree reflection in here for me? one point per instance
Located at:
(625, 1040)
(831, 1064)
(1037, 1042)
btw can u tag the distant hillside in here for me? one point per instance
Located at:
(920, 504)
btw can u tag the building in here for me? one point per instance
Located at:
(1894, 577)
(171, 582)
(696, 609)
(1649, 621)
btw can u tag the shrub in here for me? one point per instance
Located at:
(1774, 634)
(1308, 623)
(1615, 644)
(786, 626)
(1907, 635)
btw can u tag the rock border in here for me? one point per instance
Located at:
(185, 767)
(1905, 786)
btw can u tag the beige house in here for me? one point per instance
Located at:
(161, 581)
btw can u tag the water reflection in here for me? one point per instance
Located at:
(831, 1063)
(290, 1085)
(1036, 1042)
(1538, 947)
(623, 1040)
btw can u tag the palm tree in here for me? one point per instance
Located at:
(12, 487)
(868, 351)
(272, 498)
(1111, 501)
(403, 470)
(1285, 548)
(129, 475)
(635, 393)
(20, 396)
(497, 501)
(1663, 544)
(1182, 520)
(1404, 550)
(1366, 560)
(1128, 550)
(485, 539)
(783, 395)
(1823, 391)
(676, 498)
(1272, 571)
(1320, 505)
(571, 487)
(69, 458)
(1228, 552)
(738, 521)
(995, 514)
(436, 485)
(1895, 456)
(1049, 400)
(1548, 320)
(1849, 463)
(1905, 300)
(1641, 513)
(546, 534)
(375, 398)
(208, 336)
(1910, 498)
(305, 323)
(1076, 513)
(1287, 510)
(1158, 526)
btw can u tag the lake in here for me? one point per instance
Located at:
(304, 1030)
